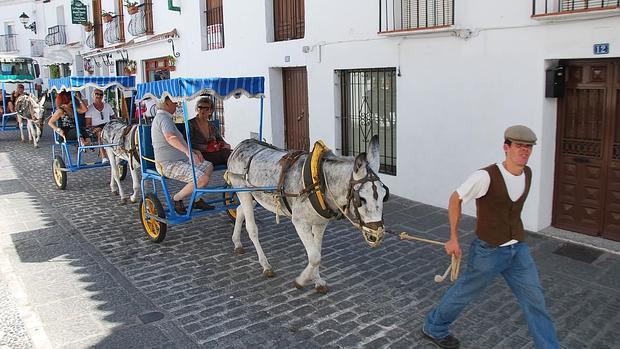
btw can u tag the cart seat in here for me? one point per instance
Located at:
(147, 154)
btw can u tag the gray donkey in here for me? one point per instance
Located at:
(348, 187)
(31, 110)
(123, 137)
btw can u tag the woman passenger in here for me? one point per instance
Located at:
(64, 114)
(205, 136)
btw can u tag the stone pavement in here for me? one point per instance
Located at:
(80, 272)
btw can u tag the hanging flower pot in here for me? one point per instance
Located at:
(107, 17)
(88, 27)
(132, 10)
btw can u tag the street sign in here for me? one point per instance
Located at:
(79, 12)
(601, 49)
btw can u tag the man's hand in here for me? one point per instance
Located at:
(452, 247)
(198, 159)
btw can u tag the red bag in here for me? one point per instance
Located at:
(213, 146)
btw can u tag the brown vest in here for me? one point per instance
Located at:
(499, 218)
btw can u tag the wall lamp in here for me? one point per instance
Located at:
(24, 19)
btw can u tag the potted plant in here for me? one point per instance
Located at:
(88, 26)
(107, 16)
(132, 7)
(130, 67)
(172, 62)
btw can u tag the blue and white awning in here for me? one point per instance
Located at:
(189, 88)
(78, 83)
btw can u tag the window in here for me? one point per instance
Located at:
(157, 69)
(397, 15)
(288, 19)
(215, 24)
(368, 101)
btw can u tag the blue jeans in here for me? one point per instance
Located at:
(484, 264)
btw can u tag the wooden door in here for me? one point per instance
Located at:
(587, 182)
(296, 125)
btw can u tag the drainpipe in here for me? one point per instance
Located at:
(173, 8)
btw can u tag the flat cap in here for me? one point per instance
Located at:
(520, 134)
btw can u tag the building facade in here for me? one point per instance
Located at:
(438, 80)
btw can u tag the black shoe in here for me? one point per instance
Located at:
(447, 342)
(179, 207)
(201, 205)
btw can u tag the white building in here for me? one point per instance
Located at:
(440, 80)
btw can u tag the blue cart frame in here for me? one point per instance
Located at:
(153, 216)
(64, 163)
(6, 116)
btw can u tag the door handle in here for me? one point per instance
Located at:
(581, 160)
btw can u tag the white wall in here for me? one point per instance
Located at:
(455, 96)
(11, 10)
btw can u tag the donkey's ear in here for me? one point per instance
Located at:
(359, 167)
(373, 153)
(42, 101)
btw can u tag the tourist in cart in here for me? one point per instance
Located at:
(68, 128)
(172, 153)
(206, 136)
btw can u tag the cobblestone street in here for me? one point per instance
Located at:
(88, 276)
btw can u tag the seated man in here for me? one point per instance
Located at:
(98, 114)
(172, 153)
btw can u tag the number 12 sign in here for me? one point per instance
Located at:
(601, 49)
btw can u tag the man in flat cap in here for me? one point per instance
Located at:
(500, 191)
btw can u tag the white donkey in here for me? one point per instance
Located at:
(125, 147)
(31, 110)
(347, 186)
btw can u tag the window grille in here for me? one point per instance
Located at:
(368, 99)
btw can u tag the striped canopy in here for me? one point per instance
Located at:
(189, 88)
(78, 83)
(16, 78)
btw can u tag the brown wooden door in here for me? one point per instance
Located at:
(296, 108)
(587, 187)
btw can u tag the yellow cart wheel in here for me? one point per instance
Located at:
(60, 175)
(122, 170)
(155, 229)
(231, 198)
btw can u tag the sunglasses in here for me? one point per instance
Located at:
(101, 115)
(99, 94)
(202, 107)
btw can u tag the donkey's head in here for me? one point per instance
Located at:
(367, 194)
(29, 108)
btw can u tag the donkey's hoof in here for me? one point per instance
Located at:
(123, 201)
(114, 193)
(297, 286)
(321, 289)
(239, 251)
(268, 273)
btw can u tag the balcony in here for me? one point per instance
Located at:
(542, 8)
(56, 35)
(90, 40)
(215, 28)
(141, 23)
(113, 32)
(410, 15)
(37, 47)
(8, 43)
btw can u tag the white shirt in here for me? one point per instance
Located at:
(477, 185)
(99, 117)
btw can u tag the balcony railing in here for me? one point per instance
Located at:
(90, 40)
(56, 35)
(556, 7)
(403, 15)
(141, 23)
(215, 28)
(8, 43)
(113, 31)
(37, 47)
